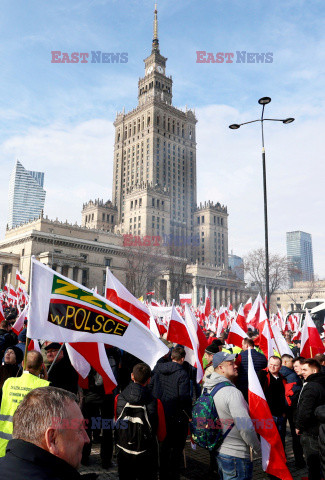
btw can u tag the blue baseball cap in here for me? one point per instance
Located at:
(222, 357)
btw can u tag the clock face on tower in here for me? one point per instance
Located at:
(150, 69)
(160, 69)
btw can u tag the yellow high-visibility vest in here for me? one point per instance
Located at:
(13, 392)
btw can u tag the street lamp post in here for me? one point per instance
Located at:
(264, 101)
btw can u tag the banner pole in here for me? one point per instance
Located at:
(25, 353)
(55, 358)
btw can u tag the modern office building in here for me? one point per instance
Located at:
(236, 265)
(26, 195)
(300, 257)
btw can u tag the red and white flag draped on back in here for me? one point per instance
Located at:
(273, 456)
(118, 294)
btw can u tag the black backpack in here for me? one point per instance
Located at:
(133, 432)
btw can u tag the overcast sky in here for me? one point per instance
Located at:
(58, 118)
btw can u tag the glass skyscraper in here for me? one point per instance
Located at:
(300, 257)
(26, 195)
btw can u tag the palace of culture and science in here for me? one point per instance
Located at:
(154, 202)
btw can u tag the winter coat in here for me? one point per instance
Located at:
(231, 406)
(291, 377)
(63, 375)
(312, 396)
(25, 460)
(171, 384)
(136, 394)
(259, 362)
(274, 391)
(320, 415)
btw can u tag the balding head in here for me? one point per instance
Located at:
(34, 362)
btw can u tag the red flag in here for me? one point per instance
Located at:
(254, 313)
(118, 294)
(273, 456)
(152, 292)
(311, 343)
(177, 331)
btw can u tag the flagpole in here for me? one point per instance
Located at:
(60, 350)
(25, 353)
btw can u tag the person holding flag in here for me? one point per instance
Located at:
(233, 457)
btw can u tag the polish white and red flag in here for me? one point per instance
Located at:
(266, 340)
(282, 346)
(2, 315)
(20, 278)
(152, 292)
(183, 332)
(254, 313)
(311, 343)
(282, 321)
(247, 306)
(185, 298)
(241, 320)
(236, 335)
(207, 304)
(116, 293)
(95, 355)
(12, 294)
(273, 455)
(19, 323)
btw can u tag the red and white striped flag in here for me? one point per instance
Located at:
(185, 298)
(311, 343)
(95, 355)
(118, 294)
(236, 335)
(19, 323)
(20, 278)
(2, 315)
(273, 456)
(247, 306)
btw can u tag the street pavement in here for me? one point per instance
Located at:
(197, 465)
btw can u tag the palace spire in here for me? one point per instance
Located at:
(155, 40)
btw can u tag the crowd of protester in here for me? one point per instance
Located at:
(151, 410)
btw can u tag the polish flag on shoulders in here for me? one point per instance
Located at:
(118, 294)
(311, 343)
(20, 278)
(273, 456)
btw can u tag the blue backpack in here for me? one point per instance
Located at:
(206, 427)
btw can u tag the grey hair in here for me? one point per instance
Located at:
(38, 411)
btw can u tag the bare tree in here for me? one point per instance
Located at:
(254, 265)
(143, 267)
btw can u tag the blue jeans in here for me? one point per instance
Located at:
(234, 468)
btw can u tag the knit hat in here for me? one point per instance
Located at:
(222, 357)
(18, 352)
(212, 349)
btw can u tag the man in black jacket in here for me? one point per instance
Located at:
(171, 384)
(320, 414)
(295, 384)
(133, 465)
(273, 385)
(62, 373)
(48, 437)
(307, 425)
